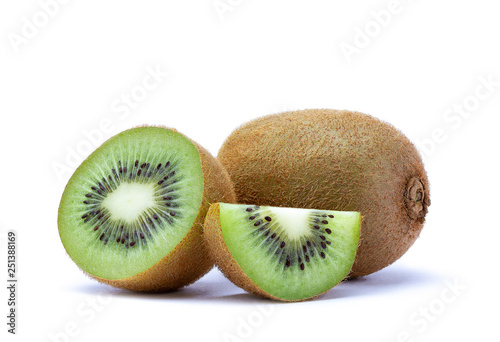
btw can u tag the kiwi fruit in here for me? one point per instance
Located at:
(285, 254)
(335, 160)
(132, 214)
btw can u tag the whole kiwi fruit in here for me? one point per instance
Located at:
(335, 160)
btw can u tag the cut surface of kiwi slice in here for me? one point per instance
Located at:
(288, 254)
(132, 202)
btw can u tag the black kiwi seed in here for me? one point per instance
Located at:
(251, 218)
(257, 223)
(316, 227)
(322, 237)
(324, 222)
(328, 230)
(307, 258)
(322, 255)
(330, 216)
(273, 236)
(304, 248)
(323, 245)
(249, 209)
(282, 244)
(302, 267)
(267, 218)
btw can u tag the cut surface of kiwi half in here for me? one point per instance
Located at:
(131, 214)
(286, 254)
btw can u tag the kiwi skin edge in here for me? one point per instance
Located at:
(225, 260)
(189, 260)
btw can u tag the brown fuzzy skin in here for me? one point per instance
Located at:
(335, 160)
(224, 259)
(189, 260)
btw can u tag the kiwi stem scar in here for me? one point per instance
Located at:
(416, 201)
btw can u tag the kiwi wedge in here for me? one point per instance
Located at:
(285, 254)
(337, 160)
(131, 215)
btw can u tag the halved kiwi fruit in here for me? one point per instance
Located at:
(131, 215)
(285, 254)
(337, 160)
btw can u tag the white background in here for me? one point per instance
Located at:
(63, 80)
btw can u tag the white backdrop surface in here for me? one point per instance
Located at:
(74, 73)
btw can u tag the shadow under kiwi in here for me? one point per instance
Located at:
(390, 279)
(212, 286)
(215, 287)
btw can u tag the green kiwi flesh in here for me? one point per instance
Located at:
(287, 254)
(131, 203)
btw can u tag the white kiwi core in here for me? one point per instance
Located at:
(129, 201)
(295, 221)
